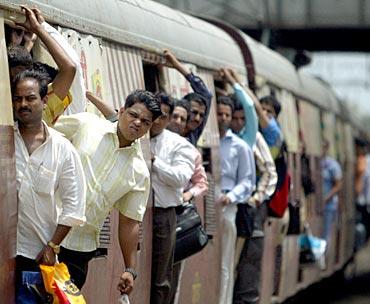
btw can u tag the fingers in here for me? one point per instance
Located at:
(26, 10)
(38, 15)
(125, 287)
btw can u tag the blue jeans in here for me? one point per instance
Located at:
(330, 217)
(29, 284)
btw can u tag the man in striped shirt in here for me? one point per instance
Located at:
(116, 177)
(247, 284)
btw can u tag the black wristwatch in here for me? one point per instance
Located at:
(132, 271)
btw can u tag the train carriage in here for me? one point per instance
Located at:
(120, 44)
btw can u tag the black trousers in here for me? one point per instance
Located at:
(248, 279)
(77, 263)
(164, 240)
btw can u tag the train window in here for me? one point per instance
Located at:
(209, 200)
(104, 238)
(151, 77)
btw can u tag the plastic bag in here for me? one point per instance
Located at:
(311, 248)
(124, 299)
(58, 282)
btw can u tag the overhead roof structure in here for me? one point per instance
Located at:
(281, 14)
(340, 25)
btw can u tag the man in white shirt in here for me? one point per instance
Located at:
(50, 179)
(172, 167)
(238, 179)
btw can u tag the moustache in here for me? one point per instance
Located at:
(24, 110)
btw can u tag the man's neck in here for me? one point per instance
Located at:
(222, 133)
(33, 135)
(153, 136)
(122, 141)
(30, 129)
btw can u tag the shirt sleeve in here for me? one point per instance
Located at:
(55, 106)
(72, 189)
(199, 180)
(246, 175)
(272, 133)
(69, 125)
(267, 171)
(251, 120)
(133, 204)
(78, 85)
(336, 170)
(179, 171)
(200, 88)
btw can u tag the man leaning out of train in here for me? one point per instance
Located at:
(116, 177)
(172, 167)
(50, 180)
(238, 178)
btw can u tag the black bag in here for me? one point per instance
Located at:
(294, 219)
(245, 217)
(190, 235)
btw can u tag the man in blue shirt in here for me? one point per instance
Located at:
(268, 110)
(238, 178)
(331, 173)
(245, 98)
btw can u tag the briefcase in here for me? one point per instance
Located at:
(190, 234)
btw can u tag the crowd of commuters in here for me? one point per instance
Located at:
(74, 167)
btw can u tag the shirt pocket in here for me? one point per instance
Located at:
(44, 180)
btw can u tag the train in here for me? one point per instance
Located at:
(120, 44)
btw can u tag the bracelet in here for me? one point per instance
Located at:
(132, 271)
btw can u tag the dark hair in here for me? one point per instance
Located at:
(183, 103)
(19, 56)
(225, 100)
(272, 101)
(48, 70)
(148, 99)
(195, 97)
(237, 104)
(167, 100)
(37, 75)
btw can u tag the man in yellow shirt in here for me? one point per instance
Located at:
(19, 60)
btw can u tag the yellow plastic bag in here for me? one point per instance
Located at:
(58, 282)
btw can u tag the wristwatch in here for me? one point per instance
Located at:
(56, 248)
(132, 271)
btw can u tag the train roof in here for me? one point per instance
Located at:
(316, 90)
(272, 66)
(144, 24)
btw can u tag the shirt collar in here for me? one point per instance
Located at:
(47, 132)
(228, 133)
(241, 132)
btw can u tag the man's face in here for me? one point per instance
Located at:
(178, 120)
(134, 121)
(161, 122)
(198, 111)
(238, 121)
(224, 116)
(27, 102)
(269, 110)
